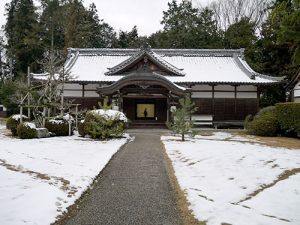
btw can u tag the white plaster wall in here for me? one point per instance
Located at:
(224, 88)
(3, 108)
(201, 94)
(90, 94)
(297, 91)
(73, 86)
(224, 94)
(91, 86)
(202, 88)
(246, 95)
(72, 93)
(246, 88)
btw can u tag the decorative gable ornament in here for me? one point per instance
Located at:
(145, 60)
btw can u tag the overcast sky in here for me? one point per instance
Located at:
(124, 14)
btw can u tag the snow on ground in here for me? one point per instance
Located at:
(40, 178)
(237, 182)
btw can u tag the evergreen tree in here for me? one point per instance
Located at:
(22, 32)
(84, 29)
(286, 21)
(187, 27)
(101, 35)
(182, 123)
(52, 25)
(130, 39)
(240, 34)
(76, 28)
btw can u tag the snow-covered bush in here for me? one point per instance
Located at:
(26, 130)
(265, 123)
(13, 121)
(103, 124)
(60, 125)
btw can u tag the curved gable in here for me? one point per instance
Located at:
(145, 60)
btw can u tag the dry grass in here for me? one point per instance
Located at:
(282, 142)
(181, 201)
(278, 142)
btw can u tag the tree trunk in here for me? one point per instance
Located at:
(182, 137)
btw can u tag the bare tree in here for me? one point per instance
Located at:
(231, 11)
(52, 86)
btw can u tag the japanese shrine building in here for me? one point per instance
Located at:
(145, 83)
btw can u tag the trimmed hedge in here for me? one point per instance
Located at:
(265, 123)
(24, 131)
(13, 122)
(59, 127)
(99, 125)
(288, 115)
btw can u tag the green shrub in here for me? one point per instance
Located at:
(26, 131)
(59, 127)
(288, 115)
(248, 119)
(264, 110)
(104, 124)
(81, 128)
(264, 123)
(13, 122)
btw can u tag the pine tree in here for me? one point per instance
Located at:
(84, 29)
(130, 39)
(22, 32)
(102, 35)
(187, 27)
(75, 25)
(182, 123)
(286, 20)
(52, 25)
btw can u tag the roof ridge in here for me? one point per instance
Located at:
(163, 51)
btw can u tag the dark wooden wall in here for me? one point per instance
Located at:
(86, 103)
(129, 108)
(226, 108)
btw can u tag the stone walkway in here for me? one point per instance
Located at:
(133, 189)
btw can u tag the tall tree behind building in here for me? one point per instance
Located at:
(130, 39)
(84, 29)
(22, 32)
(52, 24)
(286, 21)
(187, 27)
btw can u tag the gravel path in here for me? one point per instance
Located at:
(133, 189)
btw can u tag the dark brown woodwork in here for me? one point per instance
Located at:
(144, 81)
(129, 108)
(226, 108)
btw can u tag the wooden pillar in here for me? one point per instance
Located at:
(21, 113)
(168, 108)
(213, 99)
(82, 95)
(44, 116)
(76, 116)
(235, 101)
(258, 97)
(29, 95)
